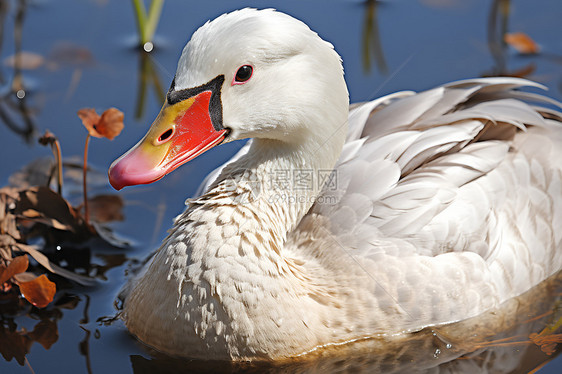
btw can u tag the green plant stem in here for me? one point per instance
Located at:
(84, 173)
(140, 12)
(153, 18)
(147, 22)
(58, 157)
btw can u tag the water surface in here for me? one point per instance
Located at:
(88, 58)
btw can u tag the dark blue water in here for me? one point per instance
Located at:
(90, 59)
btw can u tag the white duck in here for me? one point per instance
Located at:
(442, 204)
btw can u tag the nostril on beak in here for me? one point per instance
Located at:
(166, 135)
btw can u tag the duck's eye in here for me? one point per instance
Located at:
(243, 74)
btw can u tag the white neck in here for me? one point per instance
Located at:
(286, 177)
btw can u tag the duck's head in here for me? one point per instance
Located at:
(247, 74)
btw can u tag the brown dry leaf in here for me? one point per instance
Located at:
(39, 292)
(18, 265)
(53, 209)
(3, 206)
(9, 226)
(47, 138)
(106, 208)
(37, 217)
(521, 42)
(24, 60)
(90, 118)
(9, 192)
(26, 276)
(44, 261)
(6, 242)
(111, 123)
(31, 213)
(45, 333)
(3, 209)
(7, 197)
(110, 237)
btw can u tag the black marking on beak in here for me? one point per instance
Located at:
(215, 104)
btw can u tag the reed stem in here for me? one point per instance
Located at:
(84, 173)
(147, 22)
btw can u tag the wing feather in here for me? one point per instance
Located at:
(418, 151)
(453, 193)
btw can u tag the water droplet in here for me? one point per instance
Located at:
(437, 353)
(97, 334)
(20, 94)
(449, 346)
(148, 47)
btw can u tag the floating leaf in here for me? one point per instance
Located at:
(43, 205)
(39, 218)
(106, 208)
(24, 60)
(44, 261)
(39, 292)
(18, 265)
(110, 237)
(521, 42)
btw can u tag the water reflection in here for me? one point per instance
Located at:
(497, 28)
(372, 46)
(15, 343)
(147, 21)
(4, 7)
(17, 338)
(147, 76)
(14, 111)
(498, 33)
(76, 57)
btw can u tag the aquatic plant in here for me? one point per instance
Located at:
(108, 125)
(147, 22)
(50, 139)
(31, 211)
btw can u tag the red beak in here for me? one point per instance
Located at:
(182, 131)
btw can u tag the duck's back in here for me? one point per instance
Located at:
(443, 204)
